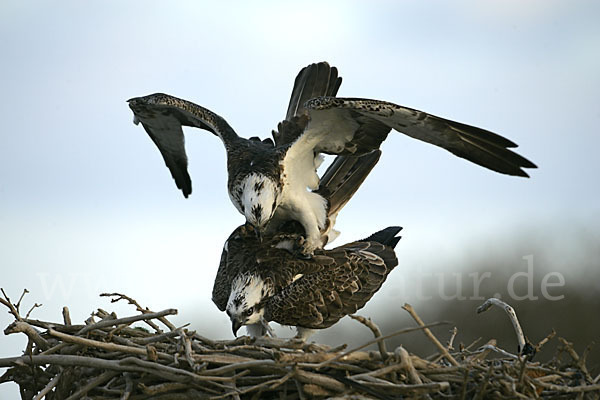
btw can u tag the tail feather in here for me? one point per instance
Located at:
(314, 80)
(343, 178)
(386, 236)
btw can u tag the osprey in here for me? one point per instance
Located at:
(258, 282)
(276, 180)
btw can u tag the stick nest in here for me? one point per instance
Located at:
(109, 358)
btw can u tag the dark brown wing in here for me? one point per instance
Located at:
(318, 300)
(360, 128)
(163, 116)
(229, 267)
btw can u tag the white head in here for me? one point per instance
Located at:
(244, 304)
(257, 197)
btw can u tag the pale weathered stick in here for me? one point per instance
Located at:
(33, 307)
(53, 382)
(187, 347)
(320, 379)
(370, 342)
(511, 315)
(11, 307)
(272, 384)
(565, 389)
(405, 389)
(128, 386)
(406, 364)
(484, 383)
(162, 388)
(65, 360)
(105, 376)
(141, 309)
(376, 332)
(239, 365)
(545, 340)
(429, 334)
(313, 358)
(482, 352)
(66, 315)
(451, 341)
(498, 350)
(156, 338)
(18, 305)
(126, 320)
(24, 327)
(569, 347)
(140, 351)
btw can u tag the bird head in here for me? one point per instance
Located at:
(258, 200)
(245, 304)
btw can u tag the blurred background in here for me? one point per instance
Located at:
(87, 205)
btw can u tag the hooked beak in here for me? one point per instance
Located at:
(235, 326)
(251, 228)
(258, 235)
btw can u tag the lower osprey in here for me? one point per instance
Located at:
(258, 282)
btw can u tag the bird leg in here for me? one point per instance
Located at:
(255, 330)
(267, 328)
(302, 334)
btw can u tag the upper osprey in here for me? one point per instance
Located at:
(277, 179)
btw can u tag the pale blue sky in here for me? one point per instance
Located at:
(87, 205)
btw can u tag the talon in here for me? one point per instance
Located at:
(303, 252)
(304, 256)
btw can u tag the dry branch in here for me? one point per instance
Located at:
(512, 315)
(429, 334)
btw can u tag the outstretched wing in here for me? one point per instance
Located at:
(163, 116)
(350, 126)
(335, 127)
(319, 299)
